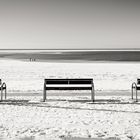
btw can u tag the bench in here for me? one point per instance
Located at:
(136, 87)
(3, 88)
(68, 84)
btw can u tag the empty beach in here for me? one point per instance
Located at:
(68, 114)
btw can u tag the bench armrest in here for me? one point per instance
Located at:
(3, 84)
(134, 85)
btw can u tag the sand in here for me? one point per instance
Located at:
(23, 76)
(67, 117)
(25, 117)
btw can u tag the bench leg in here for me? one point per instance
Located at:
(92, 93)
(132, 93)
(1, 94)
(44, 91)
(5, 93)
(136, 96)
(134, 86)
(44, 95)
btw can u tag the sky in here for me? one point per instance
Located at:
(69, 24)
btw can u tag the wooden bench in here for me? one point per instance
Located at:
(136, 87)
(68, 84)
(3, 88)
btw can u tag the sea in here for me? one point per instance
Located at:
(56, 55)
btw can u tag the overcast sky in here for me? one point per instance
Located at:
(69, 24)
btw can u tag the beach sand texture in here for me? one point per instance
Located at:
(66, 117)
(23, 76)
(27, 117)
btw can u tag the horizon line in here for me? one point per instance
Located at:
(96, 49)
(80, 49)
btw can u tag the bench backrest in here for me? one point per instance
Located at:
(68, 81)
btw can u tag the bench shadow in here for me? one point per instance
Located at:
(27, 138)
(84, 100)
(46, 105)
(97, 101)
(80, 138)
(69, 138)
(14, 102)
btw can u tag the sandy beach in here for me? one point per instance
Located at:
(67, 115)
(90, 48)
(23, 76)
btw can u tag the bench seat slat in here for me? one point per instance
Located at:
(68, 81)
(68, 88)
(138, 87)
(68, 85)
(87, 79)
(2, 88)
(57, 82)
(80, 82)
